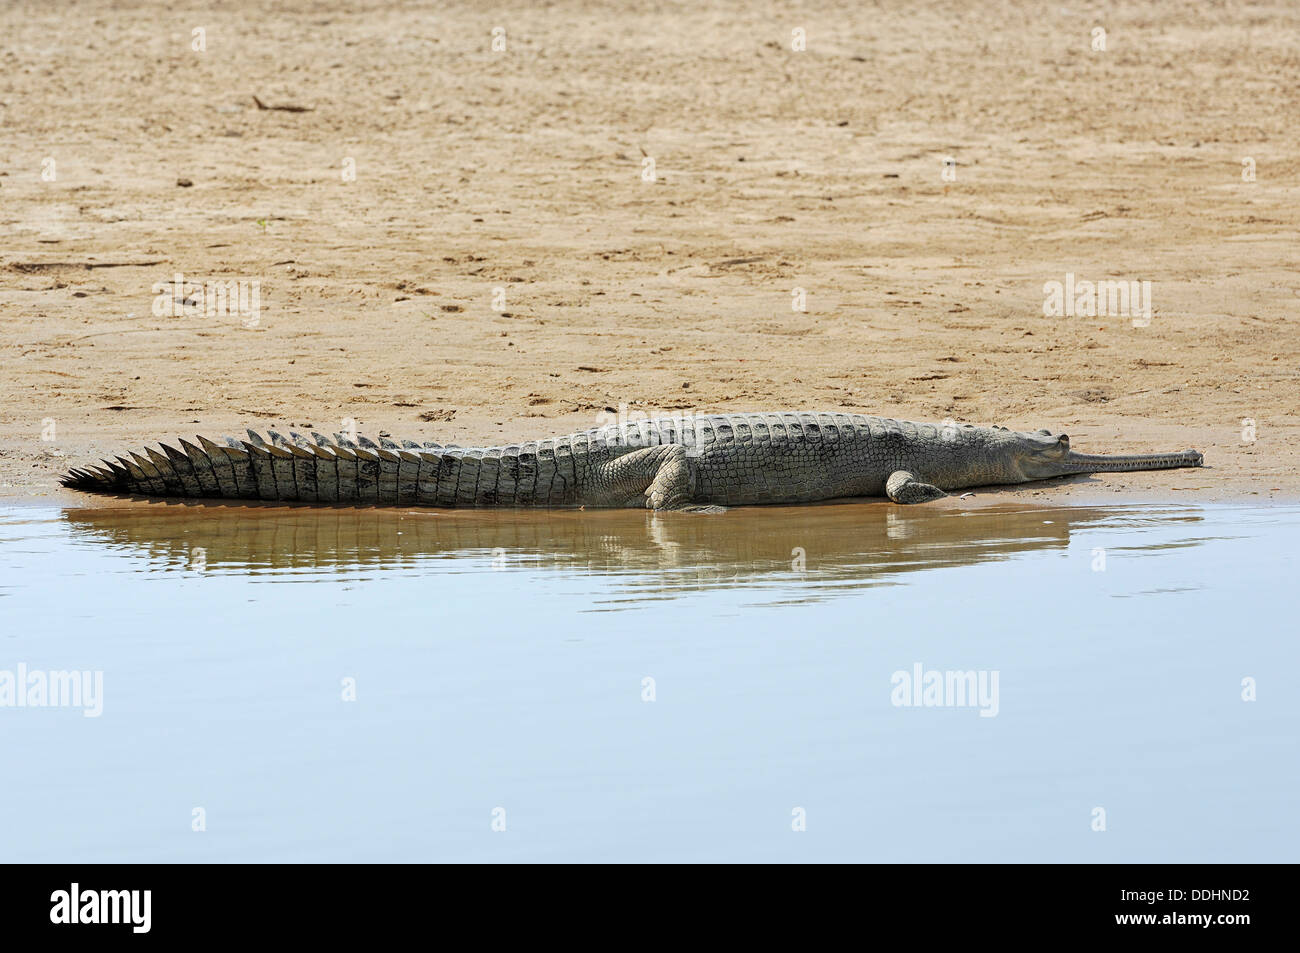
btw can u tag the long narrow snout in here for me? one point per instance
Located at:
(1114, 463)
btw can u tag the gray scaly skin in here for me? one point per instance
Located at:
(695, 463)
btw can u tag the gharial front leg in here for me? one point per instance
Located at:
(904, 487)
(658, 478)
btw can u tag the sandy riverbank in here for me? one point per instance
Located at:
(500, 269)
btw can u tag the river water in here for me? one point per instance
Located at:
(863, 682)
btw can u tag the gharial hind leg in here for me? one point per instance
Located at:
(903, 487)
(658, 478)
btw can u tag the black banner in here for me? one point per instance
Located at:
(334, 902)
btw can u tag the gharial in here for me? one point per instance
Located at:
(684, 463)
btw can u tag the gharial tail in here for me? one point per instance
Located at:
(318, 470)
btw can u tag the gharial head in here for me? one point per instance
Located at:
(1043, 454)
(1035, 455)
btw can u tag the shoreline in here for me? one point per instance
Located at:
(1076, 492)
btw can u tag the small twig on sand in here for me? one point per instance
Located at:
(34, 267)
(286, 109)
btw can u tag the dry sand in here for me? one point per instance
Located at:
(776, 169)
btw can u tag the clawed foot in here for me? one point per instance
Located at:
(903, 487)
(686, 508)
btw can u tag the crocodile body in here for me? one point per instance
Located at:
(669, 463)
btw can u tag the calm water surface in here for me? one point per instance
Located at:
(502, 666)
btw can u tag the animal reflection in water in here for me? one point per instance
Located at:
(815, 549)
